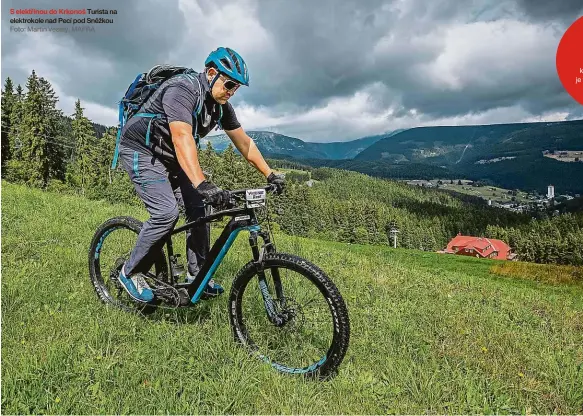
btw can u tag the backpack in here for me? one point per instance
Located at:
(142, 89)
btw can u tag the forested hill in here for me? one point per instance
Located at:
(41, 148)
(508, 155)
(447, 145)
(347, 206)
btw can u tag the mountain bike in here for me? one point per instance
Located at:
(285, 310)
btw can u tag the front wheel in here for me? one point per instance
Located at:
(290, 315)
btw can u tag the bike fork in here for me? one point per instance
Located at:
(270, 305)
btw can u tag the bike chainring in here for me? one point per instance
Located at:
(165, 292)
(162, 290)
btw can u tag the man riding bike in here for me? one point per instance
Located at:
(161, 159)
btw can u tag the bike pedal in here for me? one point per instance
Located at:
(206, 296)
(178, 272)
(184, 298)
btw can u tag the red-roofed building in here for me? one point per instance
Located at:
(480, 247)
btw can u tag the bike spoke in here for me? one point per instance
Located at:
(306, 336)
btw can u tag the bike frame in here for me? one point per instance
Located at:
(241, 218)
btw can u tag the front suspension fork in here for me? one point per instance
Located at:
(270, 304)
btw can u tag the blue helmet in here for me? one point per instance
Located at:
(229, 63)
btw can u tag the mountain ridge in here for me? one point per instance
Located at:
(509, 155)
(270, 144)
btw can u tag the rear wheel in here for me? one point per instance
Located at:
(110, 248)
(290, 315)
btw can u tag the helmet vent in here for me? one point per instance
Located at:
(226, 64)
(234, 58)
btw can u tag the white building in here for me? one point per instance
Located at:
(551, 192)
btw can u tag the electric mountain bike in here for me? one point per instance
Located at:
(282, 308)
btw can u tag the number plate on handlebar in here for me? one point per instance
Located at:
(255, 198)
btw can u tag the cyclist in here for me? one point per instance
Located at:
(166, 172)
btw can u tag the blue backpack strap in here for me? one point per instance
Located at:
(195, 135)
(220, 117)
(118, 137)
(121, 116)
(152, 117)
(197, 110)
(200, 99)
(133, 86)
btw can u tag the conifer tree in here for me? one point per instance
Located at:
(84, 168)
(15, 122)
(13, 168)
(41, 157)
(100, 177)
(209, 160)
(8, 100)
(54, 117)
(229, 176)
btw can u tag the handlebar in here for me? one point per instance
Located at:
(269, 187)
(239, 194)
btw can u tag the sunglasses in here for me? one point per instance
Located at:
(230, 85)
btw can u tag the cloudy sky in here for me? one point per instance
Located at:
(320, 70)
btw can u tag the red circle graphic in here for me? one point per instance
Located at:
(570, 60)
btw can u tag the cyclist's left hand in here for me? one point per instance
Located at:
(278, 180)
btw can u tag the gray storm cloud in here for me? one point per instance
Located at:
(325, 70)
(143, 32)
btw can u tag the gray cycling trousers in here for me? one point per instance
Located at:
(162, 193)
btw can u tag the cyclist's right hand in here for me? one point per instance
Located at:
(213, 195)
(277, 182)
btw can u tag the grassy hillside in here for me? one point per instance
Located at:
(430, 333)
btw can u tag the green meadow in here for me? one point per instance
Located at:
(430, 333)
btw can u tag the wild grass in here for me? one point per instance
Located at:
(430, 333)
(547, 273)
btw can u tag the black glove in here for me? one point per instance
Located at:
(213, 195)
(278, 180)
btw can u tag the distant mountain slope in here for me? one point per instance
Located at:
(350, 149)
(447, 145)
(509, 155)
(274, 144)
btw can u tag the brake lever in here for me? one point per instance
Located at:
(271, 189)
(233, 199)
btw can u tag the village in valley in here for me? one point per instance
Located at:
(511, 199)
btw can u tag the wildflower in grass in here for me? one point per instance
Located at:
(484, 349)
(57, 400)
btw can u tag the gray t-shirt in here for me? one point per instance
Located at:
(177, 100)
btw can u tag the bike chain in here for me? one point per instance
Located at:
(165, 286)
